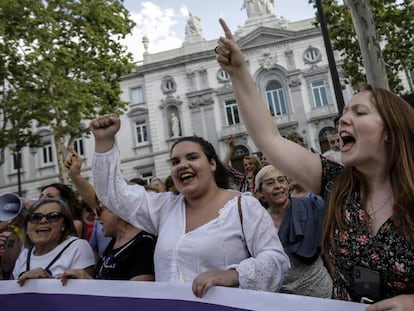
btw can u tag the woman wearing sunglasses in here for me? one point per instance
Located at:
(51, 248)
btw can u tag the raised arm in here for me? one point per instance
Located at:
(132, 203)
(104, 129)
(73, 164)
(295, 161)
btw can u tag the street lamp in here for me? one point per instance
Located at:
(18, 164)
(331, 60)
(33, 151)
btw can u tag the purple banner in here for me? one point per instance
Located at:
(61, 302)
(89, 295)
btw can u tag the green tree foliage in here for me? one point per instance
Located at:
(61, 64)
(395, 31)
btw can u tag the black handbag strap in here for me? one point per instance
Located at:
(29, 254)
(241, 222)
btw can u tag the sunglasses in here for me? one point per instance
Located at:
(35, 218)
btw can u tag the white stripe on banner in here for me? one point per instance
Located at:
(89, 295)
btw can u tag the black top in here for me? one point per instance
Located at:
(136, 257)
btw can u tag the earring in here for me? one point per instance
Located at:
(63, 229)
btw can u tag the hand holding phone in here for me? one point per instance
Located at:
(367, 284)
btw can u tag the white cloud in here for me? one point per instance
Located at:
(158, 25)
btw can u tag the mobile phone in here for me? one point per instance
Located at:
(367, 283)
(366, 300)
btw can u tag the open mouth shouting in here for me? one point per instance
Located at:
(186, 178)
(348, 141)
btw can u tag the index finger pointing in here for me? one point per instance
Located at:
(70, 149)
(226, 29)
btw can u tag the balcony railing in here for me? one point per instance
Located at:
(323, 112)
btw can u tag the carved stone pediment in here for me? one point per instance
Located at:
(264, 36)
(294, 82)
(267, 60)
(170, 100)
(198, 101)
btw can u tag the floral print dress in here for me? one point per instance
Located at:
(387, 252)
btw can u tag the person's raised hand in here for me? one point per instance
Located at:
(73, 162)
(229, 55)
(231, 143)
(206, 280)
(104, 129)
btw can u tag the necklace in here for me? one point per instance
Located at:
(374, 211)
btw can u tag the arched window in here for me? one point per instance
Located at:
(323, 142)
(275, 97)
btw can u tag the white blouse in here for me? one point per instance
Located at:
(78, 255)
(216, 245)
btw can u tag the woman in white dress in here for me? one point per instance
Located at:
(203, 239)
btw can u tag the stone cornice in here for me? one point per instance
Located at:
(177, 62)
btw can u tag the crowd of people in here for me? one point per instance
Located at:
(294, 221)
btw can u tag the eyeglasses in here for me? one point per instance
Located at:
(35, 218)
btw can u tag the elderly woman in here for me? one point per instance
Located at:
(51, 248)
(65, 193)
(299, 224)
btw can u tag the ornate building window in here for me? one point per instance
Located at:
(139, 125)
(47, 153)
(232, 112)
(319, 93)
(141, 132)
(147, 176)
(78, 146)
(312, 55)
(17, 160)
(275, 97)
(137, 95)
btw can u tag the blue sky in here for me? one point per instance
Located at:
(163, 21)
